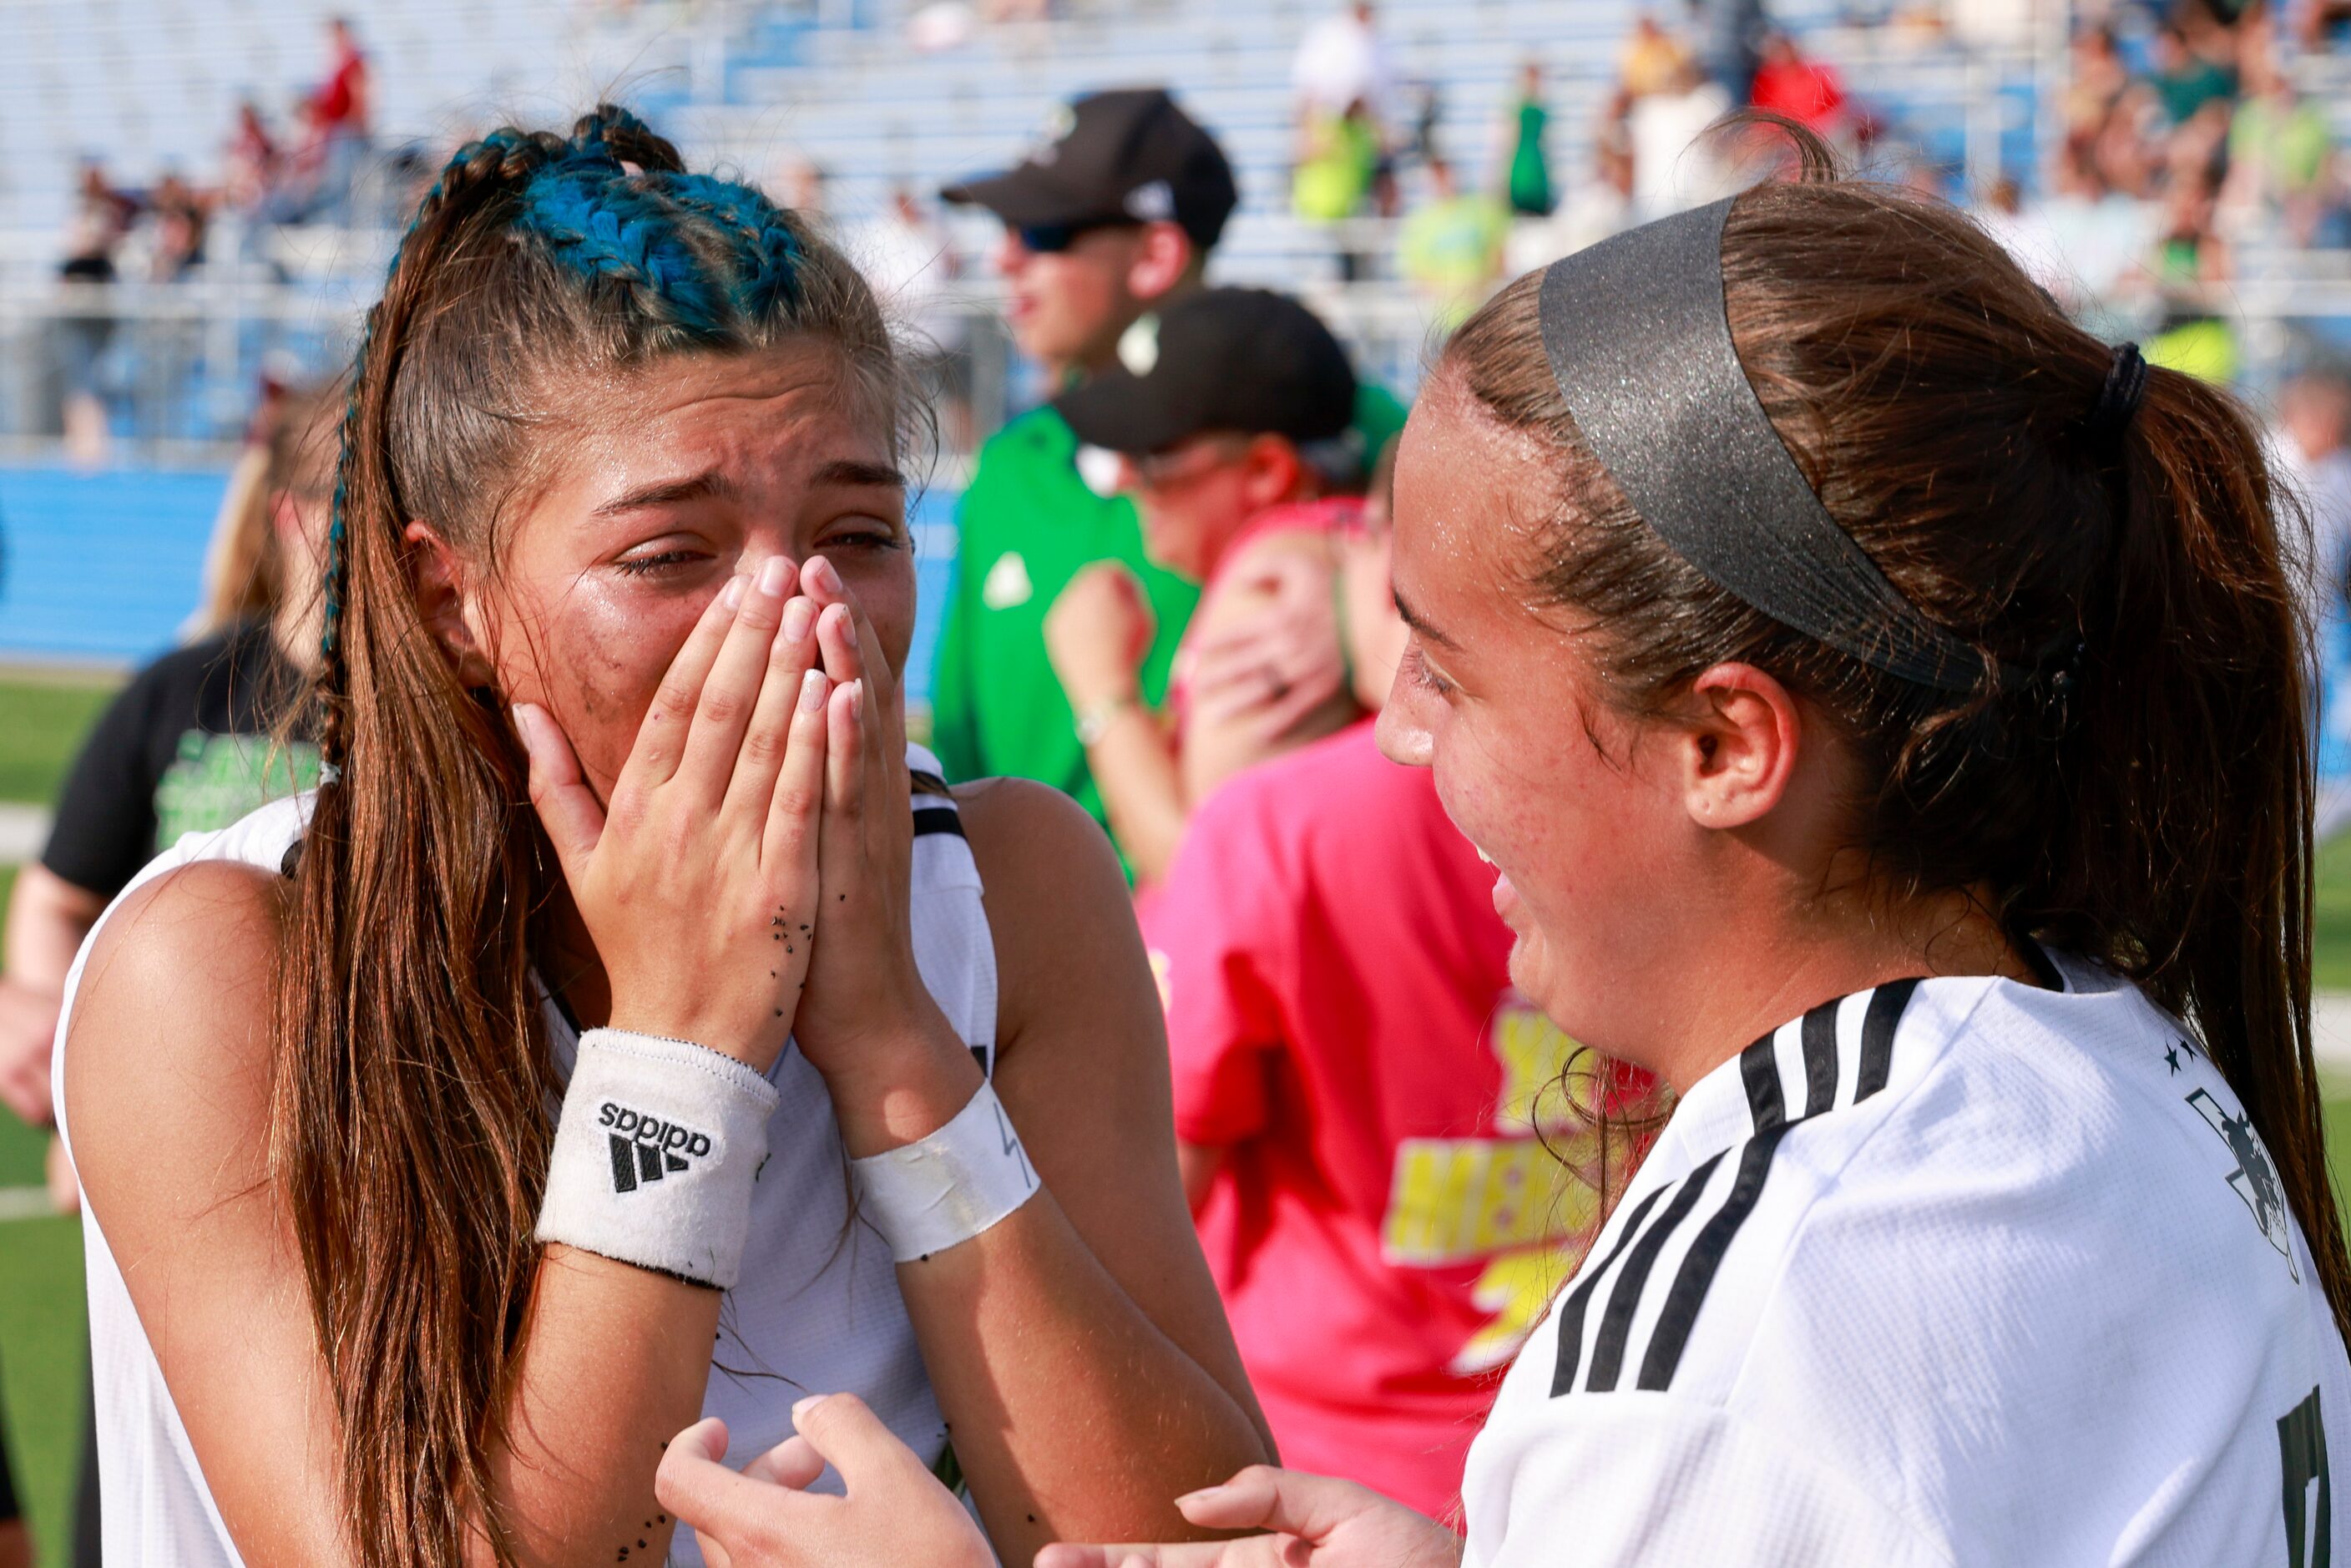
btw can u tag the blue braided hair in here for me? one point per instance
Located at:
(768, 247)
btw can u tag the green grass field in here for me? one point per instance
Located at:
(42, 1346)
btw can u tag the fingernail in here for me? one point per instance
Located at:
(803, 1407)
(731, 595)
(827, 578)
(812, 691)
(526, 717)
(1201, 1496)
(772, 573)
(856, 699)
(797, 616)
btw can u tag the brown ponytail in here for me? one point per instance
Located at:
(2143, 799)
(411, 1113)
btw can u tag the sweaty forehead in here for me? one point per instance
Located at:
(1472, 503)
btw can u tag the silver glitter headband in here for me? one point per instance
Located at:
(1639, 338)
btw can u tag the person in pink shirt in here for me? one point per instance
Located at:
(1387, 1148)
(1230, 413)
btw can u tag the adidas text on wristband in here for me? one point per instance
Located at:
(654, 1156)
(948, 1187)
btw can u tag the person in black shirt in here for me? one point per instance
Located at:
(192, 744)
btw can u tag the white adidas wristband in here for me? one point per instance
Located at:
(948, 1187)
(654, 1156)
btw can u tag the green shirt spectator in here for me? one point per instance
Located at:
(1452, 247)
(1342, 155)
(2284, 138)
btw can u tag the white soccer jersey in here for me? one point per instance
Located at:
(817, 1307)
(1952, 1271)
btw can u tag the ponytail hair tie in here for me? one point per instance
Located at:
(2118, 399)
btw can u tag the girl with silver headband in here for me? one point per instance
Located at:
(1884, 707)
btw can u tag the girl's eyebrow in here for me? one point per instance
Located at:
(846, 471)
(709, 483)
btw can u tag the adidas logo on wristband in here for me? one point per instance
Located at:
(646, 1148)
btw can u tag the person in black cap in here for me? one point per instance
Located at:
(1111, 218)
(1230, 413)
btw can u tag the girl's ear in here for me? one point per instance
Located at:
(439, 577)
(1739, 756)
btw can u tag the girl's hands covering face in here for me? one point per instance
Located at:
(699, 882)
(866, 1004)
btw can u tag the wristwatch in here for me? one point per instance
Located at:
(1094, 719)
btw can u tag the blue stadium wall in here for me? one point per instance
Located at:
(103, 569)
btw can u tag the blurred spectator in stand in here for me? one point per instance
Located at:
(1107, 225)
(1427, 101)
(802, 184)
(1594, 208)
(1731, 33)
(907, 257)
(2312, 446)
(1232, 429)
(1344, 86)
(1804, 90)
(1450, 249)
(180, 214)
(2317, 24)
(2280, 155)
(2100, 235)
(249, 163)
(1341, 62)
(2095, 82)
(1674, 165)
(1652, 60)
(95, 226)
(1389, 1151)
(322, 175)
(1338, 161)
(1525, 160)
(2185, 78)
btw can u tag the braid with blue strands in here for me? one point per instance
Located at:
(503, 154)
(771, 276)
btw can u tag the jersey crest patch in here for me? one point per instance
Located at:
(1007, 583)
(2254, 1179)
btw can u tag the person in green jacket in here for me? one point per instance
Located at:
(1109, 220)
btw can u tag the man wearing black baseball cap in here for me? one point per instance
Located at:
(1231, 412)
(1108, 220)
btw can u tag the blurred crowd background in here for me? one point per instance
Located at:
(202, 193)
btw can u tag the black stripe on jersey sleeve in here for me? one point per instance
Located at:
(1704, 1259)
(1624, 1296)
(1820, 1058)
(1887, 1004)
(1571, 1310)
(938, 820)
(1759, 1068)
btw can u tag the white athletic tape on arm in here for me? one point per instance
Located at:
(654, 1156)
(948, 1187)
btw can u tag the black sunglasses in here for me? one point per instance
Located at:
(1051, 239)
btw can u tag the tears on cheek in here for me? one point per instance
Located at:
(599, 661)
